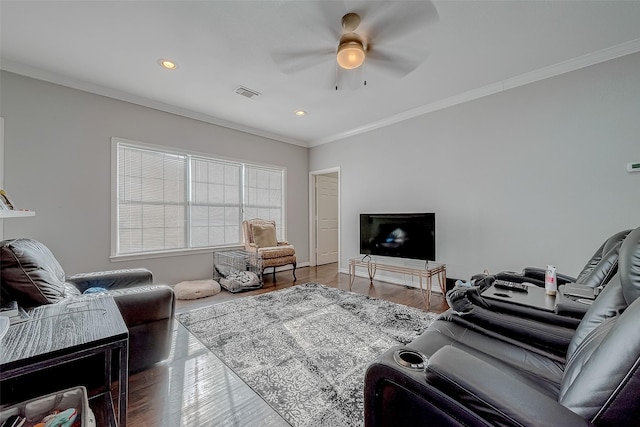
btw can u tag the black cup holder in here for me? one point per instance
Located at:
(410, 359)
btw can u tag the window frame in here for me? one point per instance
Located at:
(115, 144)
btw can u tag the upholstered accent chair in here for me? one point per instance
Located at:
(260, 238)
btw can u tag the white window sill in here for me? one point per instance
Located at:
(173, 253)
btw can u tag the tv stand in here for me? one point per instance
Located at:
(424, 270)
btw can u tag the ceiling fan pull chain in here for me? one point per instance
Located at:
(364, 71)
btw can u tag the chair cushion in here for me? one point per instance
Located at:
(31, 274)
(278, 262)
(276, 252)
(264, 236)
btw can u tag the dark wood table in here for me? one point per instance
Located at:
(65, 332)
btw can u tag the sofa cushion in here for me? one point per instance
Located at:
(264, 236)
(31, 275)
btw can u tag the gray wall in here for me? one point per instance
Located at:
(530, 176)
(58, 163)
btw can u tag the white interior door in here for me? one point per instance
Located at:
(327, 219)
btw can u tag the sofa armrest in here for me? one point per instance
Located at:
(143, 304)
(538, 273)
(148, 312)
(114, 279)
(283, 243)
(497, 396)
(570, 306)
(534, 273)
(537, 330)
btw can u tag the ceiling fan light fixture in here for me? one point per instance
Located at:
(350, 54)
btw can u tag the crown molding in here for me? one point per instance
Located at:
(39, 74)
(603, 55)
(607, 54)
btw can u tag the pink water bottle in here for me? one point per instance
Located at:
(550, 283)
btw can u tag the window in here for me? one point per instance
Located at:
(263, 195)
(215, 203)
(168, 201)
(151, 200)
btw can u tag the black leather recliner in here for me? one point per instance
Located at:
(31, 275)
(548, 332)
(451, 375)
(600, 268)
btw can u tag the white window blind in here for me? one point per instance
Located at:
(169, 201)
(264, 195)
(151, 201)
(216, 203)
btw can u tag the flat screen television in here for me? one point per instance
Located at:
(403, 235)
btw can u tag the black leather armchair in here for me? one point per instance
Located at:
(32, 276)
(470, 378)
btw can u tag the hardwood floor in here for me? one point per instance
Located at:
(194, 388)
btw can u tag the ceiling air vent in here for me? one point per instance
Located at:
(246, 92)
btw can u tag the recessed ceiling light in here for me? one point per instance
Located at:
(168, 64)
(300, 113)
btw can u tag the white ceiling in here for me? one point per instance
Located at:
(473, 48)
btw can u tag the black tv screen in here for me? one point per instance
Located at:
(403, 235)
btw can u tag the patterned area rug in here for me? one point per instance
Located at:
(305, 349)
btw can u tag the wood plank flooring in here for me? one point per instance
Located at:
(194, 388)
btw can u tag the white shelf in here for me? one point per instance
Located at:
(16, 213)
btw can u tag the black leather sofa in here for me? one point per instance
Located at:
(453, 375)
(31, 275)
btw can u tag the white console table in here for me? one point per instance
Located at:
(423, 270)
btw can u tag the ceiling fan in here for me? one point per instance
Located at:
(372, 33)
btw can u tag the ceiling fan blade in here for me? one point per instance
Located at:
(331, 13)
(295, 61)
(396, 64)
(320, 18)
(391, 20)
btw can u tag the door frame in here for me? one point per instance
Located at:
(313, 258)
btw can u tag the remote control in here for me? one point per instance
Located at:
(512, 286)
